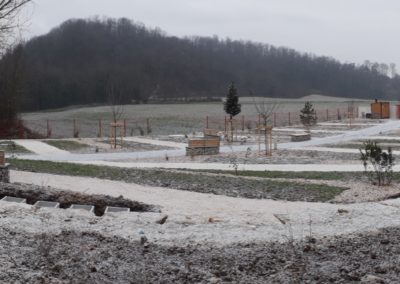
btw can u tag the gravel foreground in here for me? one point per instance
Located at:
(87, 257)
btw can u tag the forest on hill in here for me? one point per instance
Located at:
(98, 61)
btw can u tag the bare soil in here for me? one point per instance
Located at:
(88, 257)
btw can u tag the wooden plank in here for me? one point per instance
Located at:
(203, 143)
(210, 132)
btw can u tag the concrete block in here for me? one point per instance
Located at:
(89, 208)
(47, 204)
(110, 209)
(13, 199)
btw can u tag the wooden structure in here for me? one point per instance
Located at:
(210, 133)
(115, 129)
(4, 169)
(2, 159)
(202, 146)
(266, 131)
(380, 110)
(231, 129)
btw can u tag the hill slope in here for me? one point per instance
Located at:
(98, 61)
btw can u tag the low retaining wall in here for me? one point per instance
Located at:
(5, 173)
(300, 137)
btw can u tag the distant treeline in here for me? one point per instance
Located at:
(89, 61)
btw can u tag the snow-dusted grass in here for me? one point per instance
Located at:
(166, 118)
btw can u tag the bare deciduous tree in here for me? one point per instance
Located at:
(114, 96)
(10, 66)
(265, 109)
(9, 19)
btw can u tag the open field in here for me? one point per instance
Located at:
(176, 118)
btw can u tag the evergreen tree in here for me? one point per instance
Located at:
(308, 115)
(231, 105)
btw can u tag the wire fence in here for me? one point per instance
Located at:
(69, 128)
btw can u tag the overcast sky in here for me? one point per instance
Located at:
(348, 30)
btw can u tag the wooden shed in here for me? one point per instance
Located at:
(380, 110)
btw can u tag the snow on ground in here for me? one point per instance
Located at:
(336, 150)
(190, 213)
(233, 219)
(346, 124)
(65, 156)
(39, 147)
(156, 142)
(241, 167)
(289, 129)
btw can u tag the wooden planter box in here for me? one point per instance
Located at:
(203, 143)
(202, 147)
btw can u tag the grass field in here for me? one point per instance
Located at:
(67, 145)
(173, 118)
(191, 181)
(11, 147)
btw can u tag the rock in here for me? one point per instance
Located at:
(311, 239)
(306, 248)
(143, 240)
(342, 211)
(141, 232)
(214, 280)
(372, 279)
(385, 241)
(381, 269)
(162, 220)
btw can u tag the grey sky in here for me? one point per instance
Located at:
(349, 30)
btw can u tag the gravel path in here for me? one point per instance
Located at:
(40, 147)
(232, 219)
(349, 135)
(156, 142)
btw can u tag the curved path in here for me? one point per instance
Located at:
(234, 219)
(45, 151)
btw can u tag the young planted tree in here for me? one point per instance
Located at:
(378, 164)
(308, 116)
(232, 106)
(265, 110)
(114, 96)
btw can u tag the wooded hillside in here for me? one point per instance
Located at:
(81, 60)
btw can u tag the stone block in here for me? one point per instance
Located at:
(110, 209)
(47, 204)
(89, 208)
(13, 199)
